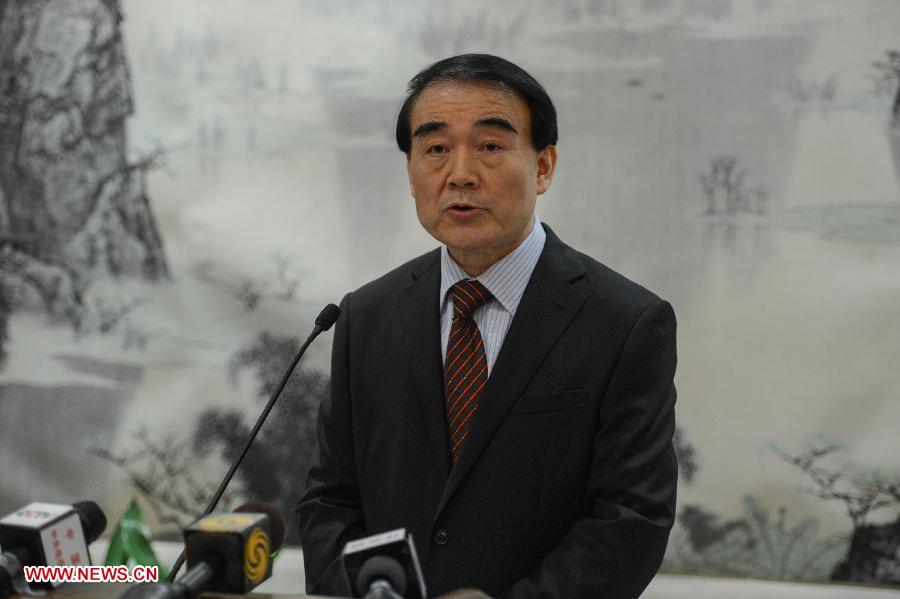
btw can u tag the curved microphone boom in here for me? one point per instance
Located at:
(324, 321)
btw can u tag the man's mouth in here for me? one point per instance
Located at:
(462, 208)
(464, 213)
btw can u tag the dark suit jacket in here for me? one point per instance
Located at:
(566, 484)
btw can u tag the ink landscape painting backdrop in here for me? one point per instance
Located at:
(183, 185)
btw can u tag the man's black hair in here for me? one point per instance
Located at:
(489, 69)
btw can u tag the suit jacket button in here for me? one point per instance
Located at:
(442, 537)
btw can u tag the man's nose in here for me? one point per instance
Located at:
(463, 174)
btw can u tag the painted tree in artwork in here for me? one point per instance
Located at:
(873, 555)
(275, 467)
(173, 475)
(889, 70)
(4, 324)
(889, 79)
(73, 206)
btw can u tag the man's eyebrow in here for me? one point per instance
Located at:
(496, 121)
(428, 127)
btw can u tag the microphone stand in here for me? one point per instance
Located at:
(324, 321)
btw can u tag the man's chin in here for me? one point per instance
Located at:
(466, 243)
(465, 236)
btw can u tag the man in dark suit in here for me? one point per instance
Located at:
(507, 399)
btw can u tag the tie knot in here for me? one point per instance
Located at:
(467, 296)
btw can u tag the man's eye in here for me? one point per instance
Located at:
(491, 147)
(436, 150)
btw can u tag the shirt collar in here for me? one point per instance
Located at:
(507, 278)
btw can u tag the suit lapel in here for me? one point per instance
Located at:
(548, 305)
(423, 334)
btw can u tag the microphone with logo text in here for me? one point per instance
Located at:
(46, 534)
(227, 552)
(384, 566)
(324, 321)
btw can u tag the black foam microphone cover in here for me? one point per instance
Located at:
(275, 520)
(380, 567)
(328, 316)
(92, 519)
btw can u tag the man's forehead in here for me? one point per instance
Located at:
(446, 101)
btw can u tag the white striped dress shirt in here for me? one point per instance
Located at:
(505, 279)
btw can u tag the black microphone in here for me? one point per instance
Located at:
(275, 520)
(384, 566)
(46, 534)
(324, 321)
(227, 553)
(327, 317)
(381, 578)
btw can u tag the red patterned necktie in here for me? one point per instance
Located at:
(465, 368)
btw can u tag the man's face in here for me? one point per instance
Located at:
(472, 170)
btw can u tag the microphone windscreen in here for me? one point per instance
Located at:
(384, 568)
(275, 519)
(328, 316)
(92, 519)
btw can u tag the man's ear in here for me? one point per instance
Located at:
(546, 165)
(409, 175)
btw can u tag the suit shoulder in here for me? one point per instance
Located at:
(613, 287)
(390, 283)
